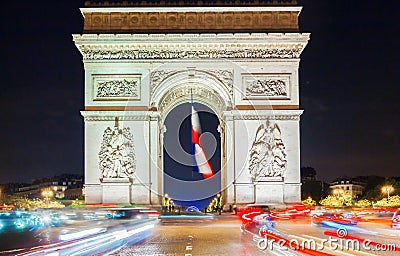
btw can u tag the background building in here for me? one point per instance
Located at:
(347, 185)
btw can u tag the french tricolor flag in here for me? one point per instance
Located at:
(200, 158)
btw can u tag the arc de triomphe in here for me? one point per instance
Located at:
(242, 62)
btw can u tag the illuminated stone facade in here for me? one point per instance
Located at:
(242, 62)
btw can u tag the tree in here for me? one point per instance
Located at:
(308, 173)
(314, 189)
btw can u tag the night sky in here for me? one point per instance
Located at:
(348, 88)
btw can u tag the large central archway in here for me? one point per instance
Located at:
(182, 181)
(211, 98)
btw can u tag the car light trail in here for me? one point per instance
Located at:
(337, 226)
(92, 241)
(81, 234)
(187, 217)
(125, 234)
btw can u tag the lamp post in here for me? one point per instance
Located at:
(47, 194)
(387, 189)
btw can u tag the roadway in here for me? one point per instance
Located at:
(222, 236)
(219, 236)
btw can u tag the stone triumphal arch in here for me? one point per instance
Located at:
(143, 59)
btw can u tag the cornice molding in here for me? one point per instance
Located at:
(267, 115)
(122, 115)
(227, 115)
(237, 38)
(187, 46)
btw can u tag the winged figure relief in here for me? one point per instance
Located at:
(267, 153)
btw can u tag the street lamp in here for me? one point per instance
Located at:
(387, 189)
(47, 194)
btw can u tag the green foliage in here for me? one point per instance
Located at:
(338, 201)
(393, 202)
(31, 204)
(363, 203)
(77, 204)
(309, 202)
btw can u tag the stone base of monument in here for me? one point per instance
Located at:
(116, 190)
(269, 192)
(93, 194)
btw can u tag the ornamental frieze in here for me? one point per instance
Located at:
(135, 54)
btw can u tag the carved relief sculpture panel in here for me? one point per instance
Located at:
(267, 153)
(117, 157)
(116, 87)
(268, 86)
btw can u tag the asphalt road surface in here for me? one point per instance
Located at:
(220, 236)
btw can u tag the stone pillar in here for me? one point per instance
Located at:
(229, 151)
(292, 186)
(155, 145)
